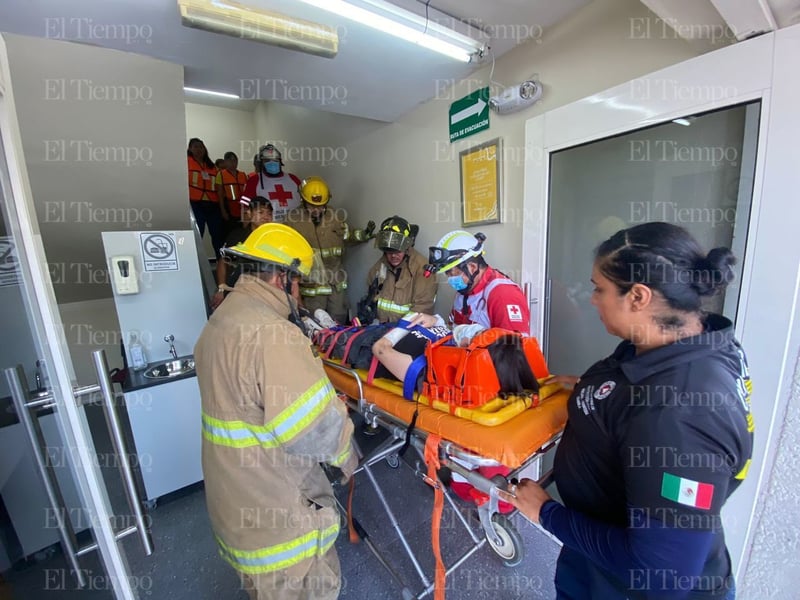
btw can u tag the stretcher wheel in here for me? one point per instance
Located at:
(393, 461)
(510, 549)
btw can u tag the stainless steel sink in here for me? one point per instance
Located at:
(170, 368)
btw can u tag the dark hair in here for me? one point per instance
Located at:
(205, 160)
(229, 155)
(478, 260)
(511, 365)
(665, 258)
(260, 202)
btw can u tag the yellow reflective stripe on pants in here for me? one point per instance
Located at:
(389, 306)
(342, 458)
(323, 290)
(280, 430)
(280, 556)
(332, 251)
(320, 290)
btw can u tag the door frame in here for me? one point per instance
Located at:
(762, 69)
(48, 330)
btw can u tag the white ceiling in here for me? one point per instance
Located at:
(725, 21)
(374, 75)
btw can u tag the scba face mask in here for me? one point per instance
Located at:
(272, 168)
(457, 283)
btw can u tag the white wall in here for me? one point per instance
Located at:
(222, 130)
(89, 326)
(110, 161)
(773, 570)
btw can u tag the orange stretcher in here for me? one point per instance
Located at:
(510, 443)
(463, 446)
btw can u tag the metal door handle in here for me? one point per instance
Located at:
(112, 419)
(19, 393)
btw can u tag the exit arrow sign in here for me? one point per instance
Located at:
(469, 115)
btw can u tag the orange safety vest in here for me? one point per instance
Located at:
(200, 187)
(232, 188)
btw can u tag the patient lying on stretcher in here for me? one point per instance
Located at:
(397, 350)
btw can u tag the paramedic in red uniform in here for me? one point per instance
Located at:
(485, 295)
(270, 181)
(659, 434)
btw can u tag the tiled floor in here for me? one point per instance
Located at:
(185, 564)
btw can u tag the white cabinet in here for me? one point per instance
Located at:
(166, 428)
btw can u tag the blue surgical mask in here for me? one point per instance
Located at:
(457, 283)
(272, 168)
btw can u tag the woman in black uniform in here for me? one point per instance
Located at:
(659, 433)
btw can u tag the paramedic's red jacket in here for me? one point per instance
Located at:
(495, 301)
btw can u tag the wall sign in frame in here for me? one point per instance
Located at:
(480, 183)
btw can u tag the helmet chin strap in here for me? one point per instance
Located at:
(465, 308)
(470, 276)
(294, 314)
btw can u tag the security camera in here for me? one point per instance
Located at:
(516, 97)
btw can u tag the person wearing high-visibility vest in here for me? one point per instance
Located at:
(327, 232)
(396, 283)
(230, 183)
(270, 416)
(203, 196)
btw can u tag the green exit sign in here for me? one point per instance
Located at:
(469, 115)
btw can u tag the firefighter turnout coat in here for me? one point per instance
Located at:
(404, 289)
(270, 416)
(327, 238)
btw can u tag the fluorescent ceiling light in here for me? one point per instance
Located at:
(231, 18)
(684, 122)
(210, 93)
(405, 25)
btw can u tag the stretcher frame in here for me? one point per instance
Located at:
(495, 526)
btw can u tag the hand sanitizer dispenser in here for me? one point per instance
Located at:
(123, 275)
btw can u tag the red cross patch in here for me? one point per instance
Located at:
(514, 313)
(281, 195)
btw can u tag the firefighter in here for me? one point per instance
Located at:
(270, 416)
(327, 232)
(396, 283)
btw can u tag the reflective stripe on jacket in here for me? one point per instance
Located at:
(231, 187)
(202, 181)
(406, 292)
(327, 239)
(269, 417)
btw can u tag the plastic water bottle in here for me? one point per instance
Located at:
(137, 354)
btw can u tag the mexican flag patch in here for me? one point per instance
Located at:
(686, 491)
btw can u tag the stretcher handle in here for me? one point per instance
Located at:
(354, 374)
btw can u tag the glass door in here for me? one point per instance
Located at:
(52, 489)
(696, 172)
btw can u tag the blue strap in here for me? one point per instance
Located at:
(410, 380)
